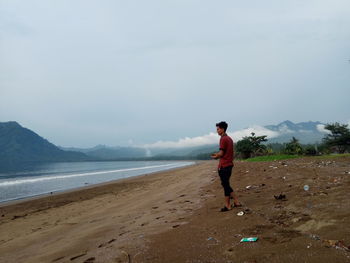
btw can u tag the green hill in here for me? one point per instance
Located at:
(20, 145)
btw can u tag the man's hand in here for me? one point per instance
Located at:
(217, 155)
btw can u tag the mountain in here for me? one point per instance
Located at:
(306, 132)
(83, 150)
(110, 153)
(21, 145)
(121, 153)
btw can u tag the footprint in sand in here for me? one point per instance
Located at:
(90, 260)
(70, 224)
(104, 244)
(154, 207)
(159, 217)
(112, 240)
(182, 195)
(57, 259)
(36, 229)
(15, 216)
(168, 201)
(123, 233)
(78, 256)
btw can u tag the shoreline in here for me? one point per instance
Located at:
(88, 186)
(101, 221)
(59, 198)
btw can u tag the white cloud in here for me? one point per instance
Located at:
(320, 128)
(258, 130)
(211, 138)
(284, 129)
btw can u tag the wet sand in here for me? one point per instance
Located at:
(173, 216)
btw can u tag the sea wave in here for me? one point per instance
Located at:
(47, 178)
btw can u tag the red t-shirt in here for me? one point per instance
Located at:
(226, 145)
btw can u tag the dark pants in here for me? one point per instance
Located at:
(225, 174)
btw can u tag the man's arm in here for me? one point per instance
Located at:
(217, 155)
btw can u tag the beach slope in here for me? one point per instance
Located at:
(174, 216)
(97, 222)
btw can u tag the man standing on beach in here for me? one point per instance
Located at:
(226, 156)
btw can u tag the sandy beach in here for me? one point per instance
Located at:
(173, 216)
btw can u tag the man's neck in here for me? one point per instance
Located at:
(224, 134)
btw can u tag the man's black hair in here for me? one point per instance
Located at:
(222, 125)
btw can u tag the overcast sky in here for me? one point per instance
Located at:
(81, 73)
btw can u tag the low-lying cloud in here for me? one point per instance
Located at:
(321, 128)
(212, 138)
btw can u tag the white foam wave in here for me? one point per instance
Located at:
(41, 179)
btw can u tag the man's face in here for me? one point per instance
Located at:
(220, 131)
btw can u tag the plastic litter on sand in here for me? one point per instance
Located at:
(249, 239)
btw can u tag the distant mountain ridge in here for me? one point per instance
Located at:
(306, 132)
(301, 126)
(110, 153)
(19, 145)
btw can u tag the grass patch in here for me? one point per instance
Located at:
(269, 158)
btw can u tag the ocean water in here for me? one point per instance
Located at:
(54, 177)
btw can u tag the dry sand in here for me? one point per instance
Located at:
(173, 216)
